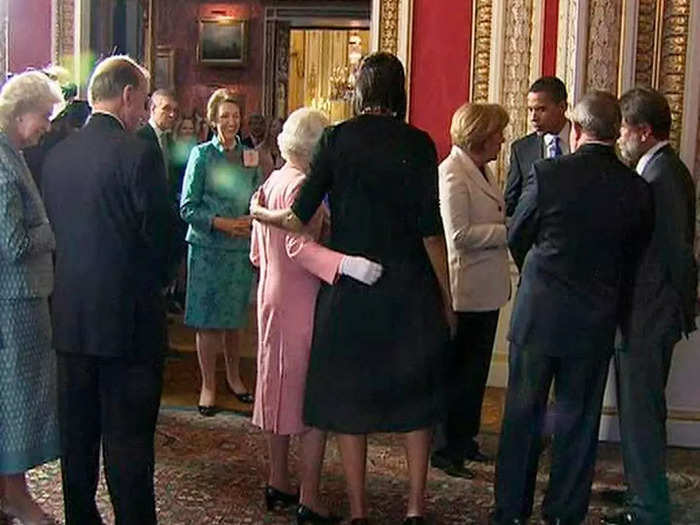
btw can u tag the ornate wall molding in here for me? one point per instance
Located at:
(646, 28)
(516, 71)
(674, 42)
(572, 46)
(604, 44)
(63, 37)
(481, 50)
(389, 26)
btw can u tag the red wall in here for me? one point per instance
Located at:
(549, 41)
(176, 26)
(29, 35)
(440, 57)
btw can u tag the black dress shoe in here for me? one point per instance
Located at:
(623, 518)
(306, 515)
(614, 496)
(277, 499)
(207, 411)
(451, 467)
(359, 521)
(415, 520)
(561, 521)
(479, 457)
(245, 398)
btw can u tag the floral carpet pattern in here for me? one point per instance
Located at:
(212, 471)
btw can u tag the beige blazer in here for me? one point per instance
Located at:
(473, 215)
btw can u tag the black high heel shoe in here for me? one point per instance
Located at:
(277, 498)
(207, 410)
(245, 398)
(307, 516)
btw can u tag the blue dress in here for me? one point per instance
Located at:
(219, 273)
(28, 406)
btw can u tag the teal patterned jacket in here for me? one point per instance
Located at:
(26, 238)
(215, 187)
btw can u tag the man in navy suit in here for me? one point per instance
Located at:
(577, 232)
(106, 196)
(546, 108)
(662, 306)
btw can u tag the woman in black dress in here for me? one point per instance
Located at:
(377, 354)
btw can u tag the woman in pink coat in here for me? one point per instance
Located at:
(291, 266)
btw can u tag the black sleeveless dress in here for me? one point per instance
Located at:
(377, 357)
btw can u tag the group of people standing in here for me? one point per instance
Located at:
(381, 276)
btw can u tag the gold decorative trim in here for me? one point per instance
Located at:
(646, 24)
(674, 43)
(604, 44)
(64, 32)
(483, 15)
(389, 26)
(516, 74)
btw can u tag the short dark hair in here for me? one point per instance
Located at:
(553, 86)
(381, 83)
(643, 105)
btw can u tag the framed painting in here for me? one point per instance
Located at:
(223, 42)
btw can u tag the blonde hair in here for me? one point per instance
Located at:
(217, 98)
(473, 123)
(26, 92)
(112, 75)
(300, 134)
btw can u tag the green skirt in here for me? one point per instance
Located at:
(218, 288)
(28, 397)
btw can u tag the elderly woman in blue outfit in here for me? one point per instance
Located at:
(220, 179)
(28, 422)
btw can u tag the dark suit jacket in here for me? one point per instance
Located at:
(578, 231)
(524, 153)
(148, 134)
(665, 284)
(106, 197)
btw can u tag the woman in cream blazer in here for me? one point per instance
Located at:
(473, 215)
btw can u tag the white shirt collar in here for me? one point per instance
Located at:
(642, 163)
(114, 116)
(152, 123)
(563, 139)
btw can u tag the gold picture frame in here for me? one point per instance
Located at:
(223, 42)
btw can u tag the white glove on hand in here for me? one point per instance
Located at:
(360, 269)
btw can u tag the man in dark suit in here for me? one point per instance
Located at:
(157, 131)
(106, 197)
(163, 108)
(580, 226)
(662, 306)
(546, 107)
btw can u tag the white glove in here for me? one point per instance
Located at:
(360, 269)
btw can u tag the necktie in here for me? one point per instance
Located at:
(165, 150)
(555, 147)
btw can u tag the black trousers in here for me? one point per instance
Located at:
(579, 384)
(467, 375)
(641, 373)
(113, 403)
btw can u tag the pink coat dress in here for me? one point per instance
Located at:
(291, 266)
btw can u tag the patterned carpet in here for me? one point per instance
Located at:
(212, 470)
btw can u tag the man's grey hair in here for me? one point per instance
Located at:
(161, 93)
(112, 75)
(598, 115)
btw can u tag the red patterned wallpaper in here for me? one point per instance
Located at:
(177, 27)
